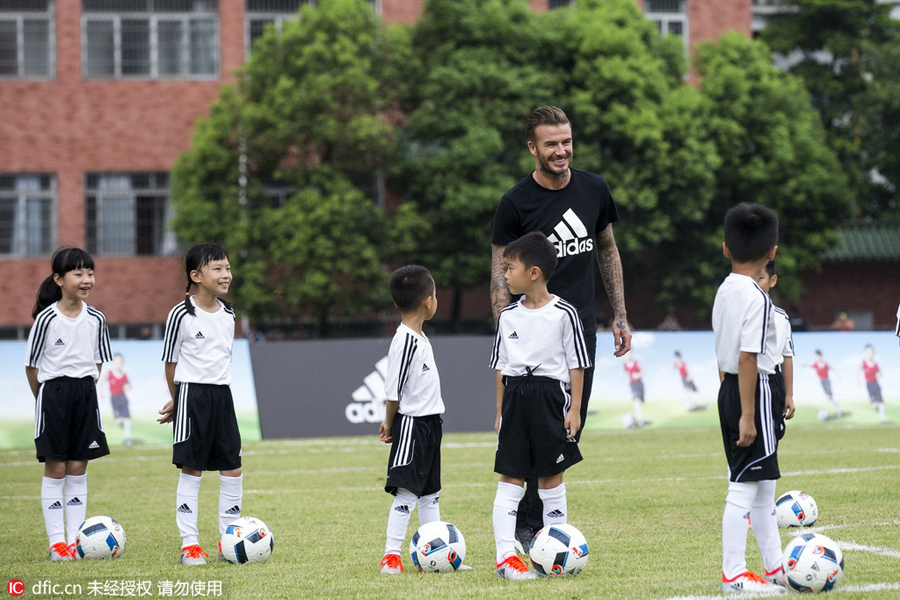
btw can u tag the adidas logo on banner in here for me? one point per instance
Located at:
(514, 336)
(94, 445)
(234, 510)
(402, 509)
(200, 336)
(184, 508)
(368, 399)
(55, 506)
(59, 342)
(74, 502)
(555, 514)
(570, 236)
(425, 367)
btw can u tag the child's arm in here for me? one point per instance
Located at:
(787, 370)
(168, 411)
(747, 376)
(32, 374)
(391, 407)
(573, 417)
(500, 389)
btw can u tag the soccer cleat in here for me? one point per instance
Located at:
(750, 583)
(776, 577)
(524, 539)
(73, 550)
(59, 551)
(391, 565)
(514, 568)
(193, 555)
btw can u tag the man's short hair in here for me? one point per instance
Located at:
(770, 268)
(533, 250)
(544, 115)
(751, 230)
(410, 285)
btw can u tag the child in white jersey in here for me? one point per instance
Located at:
(67, 346)
(540, 355)
(412, 422)
(197, 352)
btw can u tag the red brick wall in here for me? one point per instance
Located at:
(401, 11)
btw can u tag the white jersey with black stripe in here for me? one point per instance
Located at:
(412, 377)
(546, 341)
(61, 346)
(779, 343)
(200, 344)
(742, 313)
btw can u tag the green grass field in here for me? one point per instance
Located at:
(649, 502)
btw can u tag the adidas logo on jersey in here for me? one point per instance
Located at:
(200, 336)
(556, 514)
(184, 508)
(55, 506)
(74, 502)
(59, 342)
(425, 367)
(402, 509)
(234, 510)
(570, 236)
(94, 445)
(513, 336)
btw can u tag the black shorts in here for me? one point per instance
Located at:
(120, 406)
(67, 423)
(688, 384)
(759, 461)
(415, 460)
(637, 390)
(532, 438)
(205, 432)
(826, 385)
(874, 392)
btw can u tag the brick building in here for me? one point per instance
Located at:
(98, 98)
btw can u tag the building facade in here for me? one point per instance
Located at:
(98, 98)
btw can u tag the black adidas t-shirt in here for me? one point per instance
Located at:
(571, 218)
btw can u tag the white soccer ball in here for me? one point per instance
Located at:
(812, 563)
(247, 540)
(559, 550)
(796, 509)
(100, 537)
(437, 547)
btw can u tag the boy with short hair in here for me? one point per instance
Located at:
(750, 401)
(540, 355)
(413, 409)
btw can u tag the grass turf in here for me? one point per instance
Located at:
(649, 502)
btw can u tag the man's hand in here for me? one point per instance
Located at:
(621, 337)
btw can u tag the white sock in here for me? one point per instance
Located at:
(52, 503)
(398, 520)
(765, 525)
(231, 493)
(187, 505)
(554, 500)
(76, 504)
(735, 525)
(881, 411)
(127, 427)
(506, 504)
(638, 414)
(429, 508)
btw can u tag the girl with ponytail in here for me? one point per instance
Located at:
(67, 346)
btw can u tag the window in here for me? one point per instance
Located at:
(27, 39)
(155, 39)
(127, 214)
(670, 16)
(262, 13)
(559, 4)
(27, 214)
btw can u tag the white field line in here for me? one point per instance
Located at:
(870, 587)
(872, 549)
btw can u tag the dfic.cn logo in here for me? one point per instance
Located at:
(15, 587)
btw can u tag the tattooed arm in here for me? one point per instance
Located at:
(500, 295)
(611, 272)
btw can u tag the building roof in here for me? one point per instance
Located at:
(866, 241)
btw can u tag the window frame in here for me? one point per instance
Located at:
(664, 20)
(20, 227)
(19, 18)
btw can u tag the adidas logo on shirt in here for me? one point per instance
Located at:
(55, 506)
(425, 368)
(200, 336)
(570, 236)
(74, 502)
(234, 510)
(184, 508)
(59, 342)
(555, 514)
(93, 445)
(514, 336)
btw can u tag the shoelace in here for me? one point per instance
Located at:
(754, 577)
(195, 552)
(61, 549)
(391, 560)
(516, 564)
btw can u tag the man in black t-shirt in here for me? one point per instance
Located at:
(575, 210)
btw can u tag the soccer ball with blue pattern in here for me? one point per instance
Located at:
(100, 537)
(559, 550)
(437, 547)
(812, 562)
(796, 509)
(247, 540)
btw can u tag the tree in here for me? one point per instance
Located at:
(285, 168)
(846, 53)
